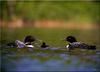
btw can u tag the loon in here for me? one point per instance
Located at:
(73, 43)
(19, 44)
(11, 44)
(27, 42)
(44, 46)
(29, 39)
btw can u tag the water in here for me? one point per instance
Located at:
(50, 60)
(42, 61)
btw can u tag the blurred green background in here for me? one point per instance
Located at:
(53, 10)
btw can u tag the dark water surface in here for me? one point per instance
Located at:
(50, 60)
(46, 61)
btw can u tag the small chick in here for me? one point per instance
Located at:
(44, 45)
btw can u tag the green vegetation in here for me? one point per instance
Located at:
(63, 10)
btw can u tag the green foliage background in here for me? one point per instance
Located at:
(54, 10)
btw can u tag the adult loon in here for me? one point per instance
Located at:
(74, 44)
(27, 42)
(19, 44)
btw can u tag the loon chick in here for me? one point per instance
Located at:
(44, 45)
(74, 44)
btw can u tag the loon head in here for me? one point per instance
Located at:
(71, 39)
(44, 45)
(29, 39)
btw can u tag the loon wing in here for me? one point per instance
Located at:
(20, 44)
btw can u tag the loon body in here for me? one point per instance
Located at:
(19, 44)
(74, 44)
(22, 44)
(11, 44)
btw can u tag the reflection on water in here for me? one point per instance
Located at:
(42, 61)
